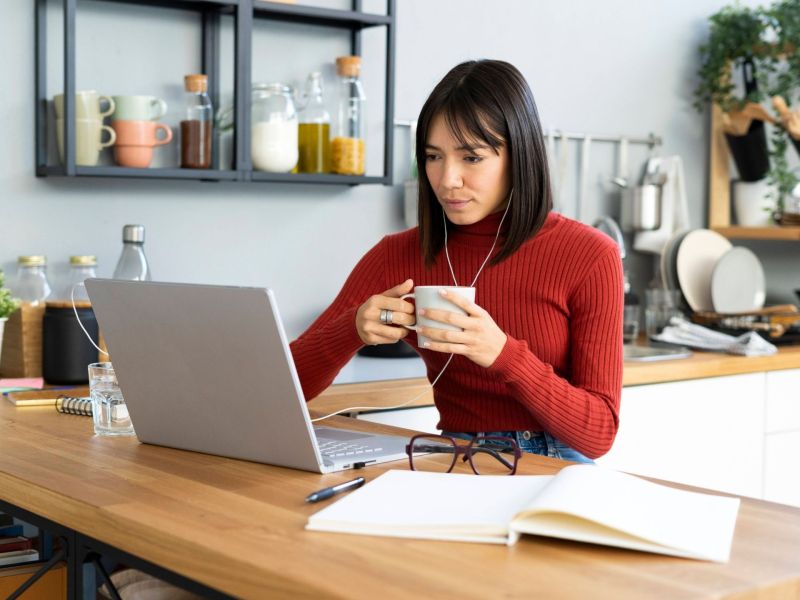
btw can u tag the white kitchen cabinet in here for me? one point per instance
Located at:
(738, 434)
(781, 479)
(783, 401)
(782, 439)
(703, 432)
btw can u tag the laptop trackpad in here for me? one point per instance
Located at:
(344, 435)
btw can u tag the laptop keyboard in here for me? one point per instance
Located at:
(334, 449)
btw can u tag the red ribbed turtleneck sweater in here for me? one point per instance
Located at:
(559, 300)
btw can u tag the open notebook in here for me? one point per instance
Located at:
(586, 503)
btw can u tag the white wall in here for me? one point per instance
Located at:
(611, 67)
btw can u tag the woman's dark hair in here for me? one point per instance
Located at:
(488, 101)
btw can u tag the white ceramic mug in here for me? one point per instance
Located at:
(428, 297)
(88, 140)
(87, 105)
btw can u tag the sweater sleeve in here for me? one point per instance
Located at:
(583, 411)
(332, 339)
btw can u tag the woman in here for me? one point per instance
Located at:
(540, 355)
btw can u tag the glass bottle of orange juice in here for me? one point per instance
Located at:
(347, 146)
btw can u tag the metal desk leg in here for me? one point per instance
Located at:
(55, 559)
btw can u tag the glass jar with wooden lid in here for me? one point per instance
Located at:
(348, 148)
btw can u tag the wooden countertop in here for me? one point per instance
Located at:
(237, 527)
(708, 364)
(386, 394)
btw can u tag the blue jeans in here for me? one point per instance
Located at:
(533, 442)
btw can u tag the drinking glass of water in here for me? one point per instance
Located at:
(108, 406)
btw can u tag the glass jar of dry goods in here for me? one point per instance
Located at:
(348, 147)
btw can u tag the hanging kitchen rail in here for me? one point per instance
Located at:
(652, 140)
(244, 12)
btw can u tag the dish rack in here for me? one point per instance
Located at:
(780, 324)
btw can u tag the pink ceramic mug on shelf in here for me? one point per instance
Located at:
(136, 140)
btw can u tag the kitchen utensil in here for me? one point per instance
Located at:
(609, 226)
(664, 264)
(650, 353)
(88, 140)
(661, 305)
(737, 282)
(646, 207)
(673, 209)
(697, 255)
(780, 322)
(748, 142)
(559, 167)
(583, 191)
(669, 266)
(630, 323)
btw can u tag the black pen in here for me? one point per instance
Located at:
(327, 492)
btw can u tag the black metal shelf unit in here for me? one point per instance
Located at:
(243, 12)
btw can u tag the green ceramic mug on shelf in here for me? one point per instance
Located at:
(138, 108)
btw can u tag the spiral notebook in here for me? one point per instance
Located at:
(67, 404)
(72, 405)
(46, 396)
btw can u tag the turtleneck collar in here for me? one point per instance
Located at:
(482, 233)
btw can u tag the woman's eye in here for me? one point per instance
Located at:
(430, 157)
(473, 159)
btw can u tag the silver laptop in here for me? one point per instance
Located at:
(208, 368)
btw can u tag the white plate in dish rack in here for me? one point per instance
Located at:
(669, 275)
(697, 256)
(737, 283)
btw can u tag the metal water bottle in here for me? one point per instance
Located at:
(132, 262)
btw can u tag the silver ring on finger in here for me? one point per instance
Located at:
(386, 316)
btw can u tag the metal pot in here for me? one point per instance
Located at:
(646, 209)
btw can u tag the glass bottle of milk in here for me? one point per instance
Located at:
(274, 133)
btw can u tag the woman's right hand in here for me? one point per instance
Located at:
(368, 317)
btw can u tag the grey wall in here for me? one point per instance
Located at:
(611, 67)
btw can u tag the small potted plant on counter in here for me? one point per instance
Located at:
(7, 306)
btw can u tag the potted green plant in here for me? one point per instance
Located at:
(784, 23)
(737, 44)
(7, 306)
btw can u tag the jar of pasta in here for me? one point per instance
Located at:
(347, 146)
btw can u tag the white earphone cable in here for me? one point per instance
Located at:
(75, 310)
(450, 358)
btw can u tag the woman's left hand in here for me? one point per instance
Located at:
(481, 340)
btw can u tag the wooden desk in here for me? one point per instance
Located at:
(237, 527)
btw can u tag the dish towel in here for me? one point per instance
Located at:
(680, 331)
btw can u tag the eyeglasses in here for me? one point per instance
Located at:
(487, 455)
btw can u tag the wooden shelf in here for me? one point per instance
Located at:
(760, 233)
(719, 193)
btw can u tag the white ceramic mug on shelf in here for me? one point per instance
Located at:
(429, 297)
